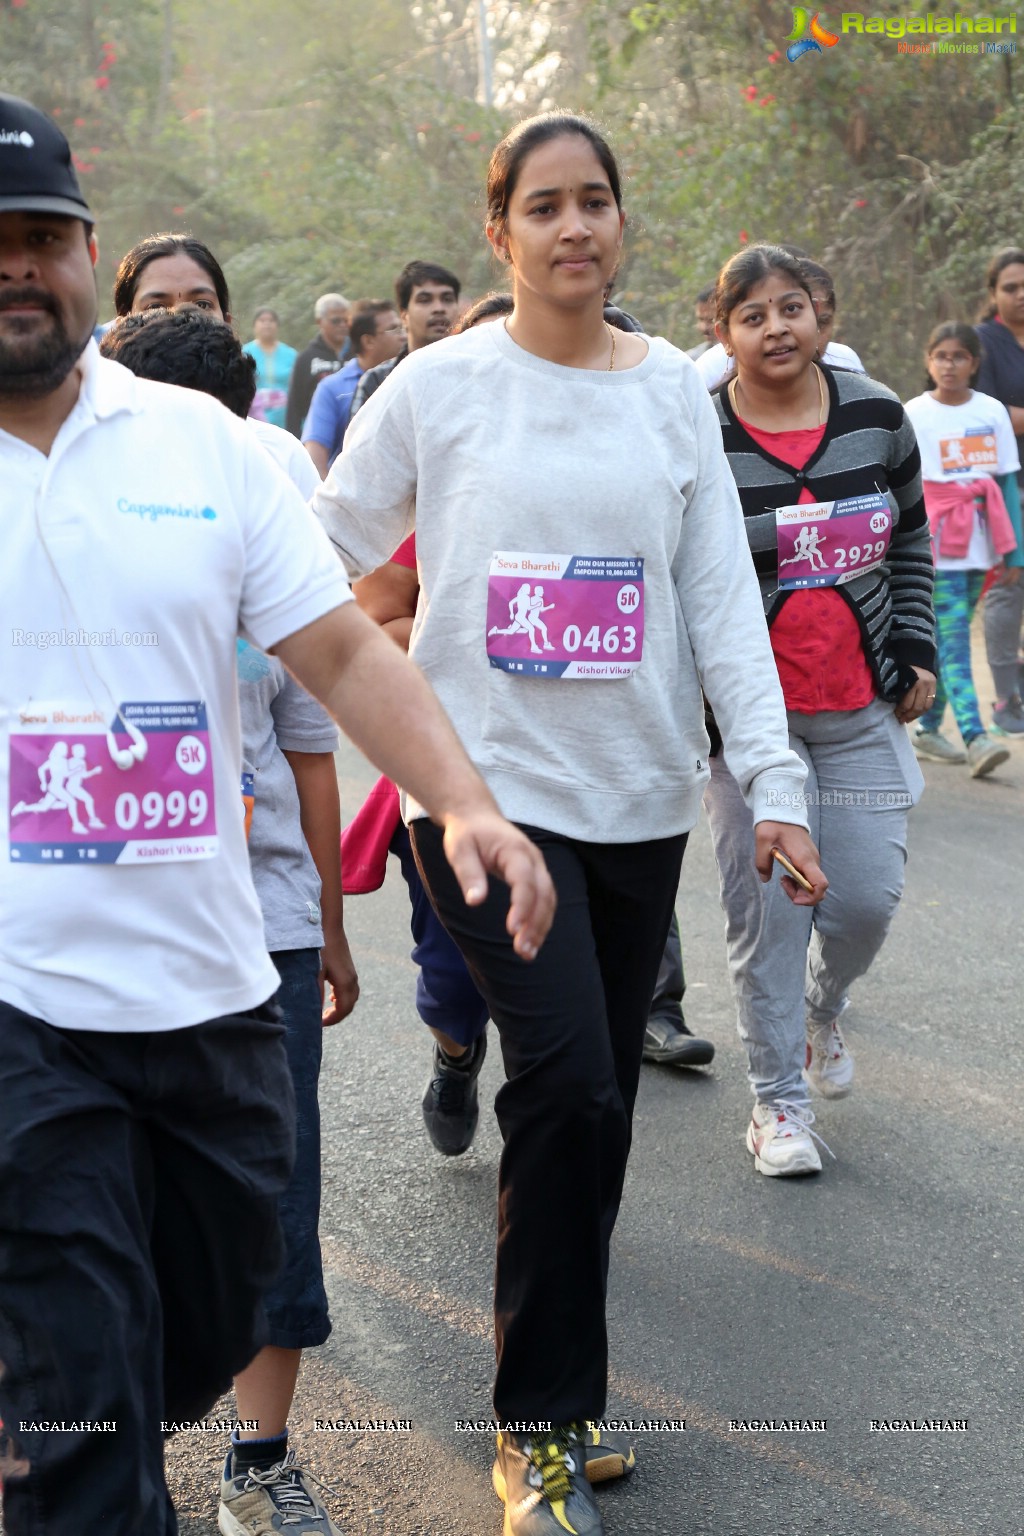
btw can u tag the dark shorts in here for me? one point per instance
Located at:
(296, 1305)
(139, 1182)
(446, 998)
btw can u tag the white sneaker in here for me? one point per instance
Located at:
(829, 1067)
(984, 754)
(936, 747)
(780, 1138)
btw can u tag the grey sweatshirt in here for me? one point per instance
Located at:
(489, 449)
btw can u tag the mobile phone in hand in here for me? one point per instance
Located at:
(792, 871)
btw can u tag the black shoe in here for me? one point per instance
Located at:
(608, 1454)
(451, 1108)
(542, 1482)
(672, 1045)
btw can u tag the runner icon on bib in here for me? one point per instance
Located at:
(828, 543)
(565, 616)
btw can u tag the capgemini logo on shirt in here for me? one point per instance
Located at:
(151, 511)
(12, 136)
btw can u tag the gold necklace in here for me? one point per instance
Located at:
(822, 406)
(821, 396)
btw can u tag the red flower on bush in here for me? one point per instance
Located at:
(102, 82)
(773, 58)
(744, 237)
(472, 138)
(765, 100)
(861, 202)
(750, 92)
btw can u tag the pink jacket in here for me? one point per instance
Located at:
(364, 842)
(950, 508)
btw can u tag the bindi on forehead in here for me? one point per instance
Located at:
(587, 186)
(162, 290)
(772, 298)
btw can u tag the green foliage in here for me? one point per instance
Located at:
(322, 146)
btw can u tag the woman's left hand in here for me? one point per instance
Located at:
(917, 700)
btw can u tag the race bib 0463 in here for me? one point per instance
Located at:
(565, 616)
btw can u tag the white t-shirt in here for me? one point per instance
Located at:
(965, 442)
(715, 364)
(171, 534)
(287, 452)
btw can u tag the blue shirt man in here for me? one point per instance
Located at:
(375, 334)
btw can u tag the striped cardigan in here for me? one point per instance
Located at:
(868, 444)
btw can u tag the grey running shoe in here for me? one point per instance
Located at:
(1008, 718)
(672, 1045)
(540, 1477)
(984, 754)
(451, 1107)
(264, 1501)
(936, 747)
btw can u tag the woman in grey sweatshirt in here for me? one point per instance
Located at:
(583, 571)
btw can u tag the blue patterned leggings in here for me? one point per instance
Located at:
(956, 597)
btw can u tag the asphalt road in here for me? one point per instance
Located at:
(887, 1288)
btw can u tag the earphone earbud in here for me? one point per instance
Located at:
(124, 757)
(121, 757)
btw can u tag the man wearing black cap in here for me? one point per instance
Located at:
(145, 1122)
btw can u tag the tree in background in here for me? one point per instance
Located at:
(321, 146)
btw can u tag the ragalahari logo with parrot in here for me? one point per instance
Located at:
(799, 43)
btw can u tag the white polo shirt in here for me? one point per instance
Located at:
(153, 534)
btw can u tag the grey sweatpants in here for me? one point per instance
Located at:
(1003, 612)
(791, 964)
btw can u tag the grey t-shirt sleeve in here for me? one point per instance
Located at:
(301, 724)
(278, 714)
(367, 504)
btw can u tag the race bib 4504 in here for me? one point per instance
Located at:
(565, 616)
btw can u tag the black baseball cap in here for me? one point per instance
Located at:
(36, 174)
